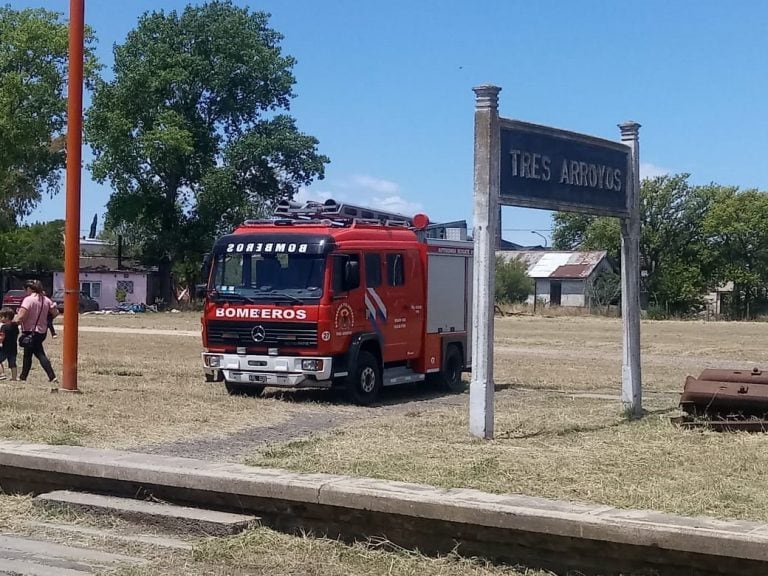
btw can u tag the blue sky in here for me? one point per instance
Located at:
(387, 88)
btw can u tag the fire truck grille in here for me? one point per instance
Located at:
(294, 334)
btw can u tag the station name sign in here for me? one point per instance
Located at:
(544, 167)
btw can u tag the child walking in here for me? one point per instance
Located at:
(50, 321)
(9, 338)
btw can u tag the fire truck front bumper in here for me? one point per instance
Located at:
(278, 371)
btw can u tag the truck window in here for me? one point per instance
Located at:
(229, 270)
(395, 269)
(372, 270)
(251, 274)
(339, 263)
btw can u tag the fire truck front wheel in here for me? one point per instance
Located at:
(243, 389)
(364, 383)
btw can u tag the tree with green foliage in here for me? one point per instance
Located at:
(572, 231)
(512, 281)
(737, 229)
(190, 132)
(674, 250)
(604, 290)
(33, 74)
(35, 247)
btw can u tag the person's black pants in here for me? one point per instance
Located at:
(36, 350)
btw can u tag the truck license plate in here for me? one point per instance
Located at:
(256, 378)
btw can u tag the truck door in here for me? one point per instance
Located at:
(401, 295)
(348, 305)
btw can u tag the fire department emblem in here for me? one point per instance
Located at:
(345, 318)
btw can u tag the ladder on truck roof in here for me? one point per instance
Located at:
(332, 210)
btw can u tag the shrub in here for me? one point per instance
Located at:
(512, 281)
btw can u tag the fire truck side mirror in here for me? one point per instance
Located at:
(205, 269)
(351, 275)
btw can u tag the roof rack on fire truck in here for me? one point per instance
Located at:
(336, 212)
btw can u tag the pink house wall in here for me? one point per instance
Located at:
(109, 281)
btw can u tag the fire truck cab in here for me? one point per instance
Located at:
(333, 295)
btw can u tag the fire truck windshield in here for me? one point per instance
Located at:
(292, 277)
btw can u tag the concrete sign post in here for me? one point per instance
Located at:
(522, 164)
(487, 157)
(631, 393)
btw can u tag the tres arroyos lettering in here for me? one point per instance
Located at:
(572, 172)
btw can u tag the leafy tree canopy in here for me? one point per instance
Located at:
(36, 247)
(191, 132)
(737, 230)
(33, 73)
(675, 251)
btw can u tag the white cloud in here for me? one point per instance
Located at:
(648, 170)
(377, 185)
(363, 190)
(308, 194)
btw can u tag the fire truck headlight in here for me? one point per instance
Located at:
(213, 361)
(312, 365)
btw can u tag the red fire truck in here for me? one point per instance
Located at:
(334, 295)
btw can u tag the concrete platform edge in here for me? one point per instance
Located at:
(58, 465)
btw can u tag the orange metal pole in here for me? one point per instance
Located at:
(74, 168)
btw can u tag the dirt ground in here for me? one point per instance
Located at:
(164, 320)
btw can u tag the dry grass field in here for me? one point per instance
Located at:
(559, 429)
(137, 390)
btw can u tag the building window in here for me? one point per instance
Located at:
(93, 289)
(125, 286)
(395, 269)
(372, 270)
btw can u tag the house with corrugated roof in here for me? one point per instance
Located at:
(561, 278)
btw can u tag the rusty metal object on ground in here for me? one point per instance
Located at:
(726, 400)
(726, 391)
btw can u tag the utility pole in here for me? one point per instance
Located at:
(74, 169)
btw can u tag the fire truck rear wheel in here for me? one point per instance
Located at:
(450, 375)
(365, 384)
(243, 389)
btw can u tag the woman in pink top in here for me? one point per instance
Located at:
(32, 317)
